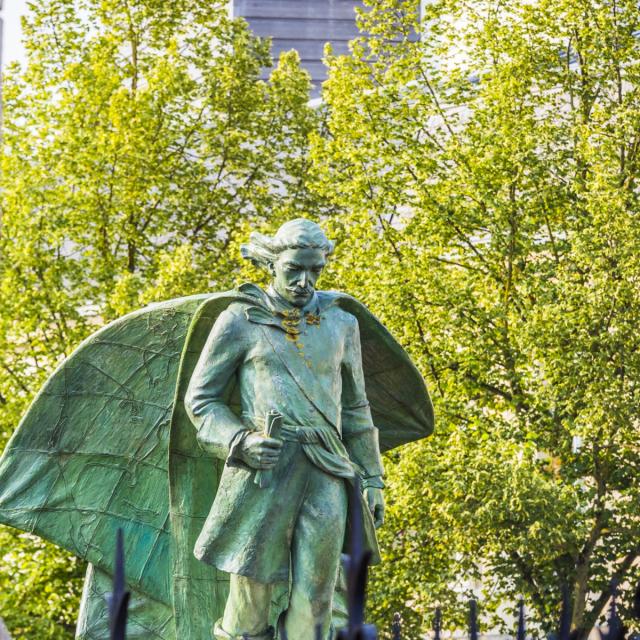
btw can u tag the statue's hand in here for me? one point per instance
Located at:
(375, 500)
(260, 452)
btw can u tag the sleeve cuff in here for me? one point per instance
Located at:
(373, 482)
(233, 458)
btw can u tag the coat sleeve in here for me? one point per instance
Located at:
(358, 431)
(218, 427)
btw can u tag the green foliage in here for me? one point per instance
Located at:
(40, 587)
(482, 186)
(487, 176)
(138, 141)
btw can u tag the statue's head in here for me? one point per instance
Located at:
(294, 257)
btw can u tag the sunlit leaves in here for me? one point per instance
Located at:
(489, 215)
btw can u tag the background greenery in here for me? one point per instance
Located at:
(482, 187)
(138, 145)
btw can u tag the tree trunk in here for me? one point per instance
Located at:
(580, 591)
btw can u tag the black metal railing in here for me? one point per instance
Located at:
(118, 599)
(613, 630)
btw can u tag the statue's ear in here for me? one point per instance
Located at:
(271, 268)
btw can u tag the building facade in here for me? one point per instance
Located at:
(303, 25)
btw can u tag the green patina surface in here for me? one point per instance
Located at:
(107, 443)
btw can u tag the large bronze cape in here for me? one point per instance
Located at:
(107, 444)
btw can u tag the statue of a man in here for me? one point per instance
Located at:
(296, 354)
(293, 393)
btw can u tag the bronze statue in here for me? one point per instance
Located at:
(224, 425)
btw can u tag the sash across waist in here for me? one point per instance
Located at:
(303, 435)
(322, 446)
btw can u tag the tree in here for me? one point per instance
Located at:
(488, 176)
(138, 144)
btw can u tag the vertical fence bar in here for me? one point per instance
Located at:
(521, 633)
(473, 619)
(437, 624)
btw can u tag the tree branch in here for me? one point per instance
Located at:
(617, 577)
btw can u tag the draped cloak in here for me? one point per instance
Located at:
(107, 444)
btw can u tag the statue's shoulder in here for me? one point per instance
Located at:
(331, 296)
(236, 310)
(356, 312)
(233, 315)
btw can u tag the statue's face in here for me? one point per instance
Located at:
(295, 273)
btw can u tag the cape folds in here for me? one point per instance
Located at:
(107, 443)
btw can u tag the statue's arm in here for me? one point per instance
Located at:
(219, 428)
(358, 431)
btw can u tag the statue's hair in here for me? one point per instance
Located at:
(300, 233)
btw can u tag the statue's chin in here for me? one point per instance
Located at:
(300, 302)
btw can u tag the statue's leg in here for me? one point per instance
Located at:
(315, 555)
(246, 611)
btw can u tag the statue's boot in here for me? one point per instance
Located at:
(220, 634)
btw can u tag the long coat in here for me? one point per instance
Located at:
(306, 365)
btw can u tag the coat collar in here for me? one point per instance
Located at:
(280, 306)
(274, 302)
(272, 309)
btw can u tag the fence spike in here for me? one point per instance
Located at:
(437, 624)
(358, 562)
(119, 599)
(522, 632)
(612, 614)
(357, 565)
(282, 632)
(615, 626)
(117, 590)
(473, 619)
(635, 606)
(396, 627)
